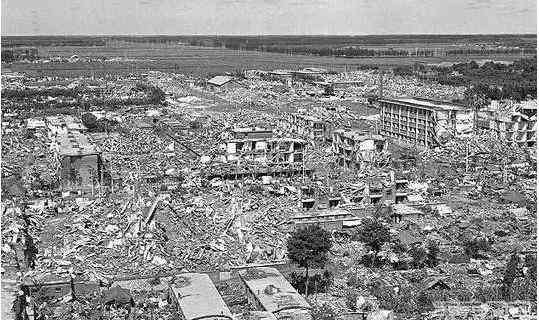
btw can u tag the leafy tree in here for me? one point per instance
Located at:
(89, 120)
(351, 300)
(373, 233)
(530, 261)
(7, 56)
(419, 256)
(432, 254)
(309, 247)
(511, 271)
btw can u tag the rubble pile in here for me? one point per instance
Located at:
(482, 163)
(167, 202)
(395, 86)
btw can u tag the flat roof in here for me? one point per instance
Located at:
(220, 80)
(75, 144)
(198, 298)
(272, 290)
(426, 103)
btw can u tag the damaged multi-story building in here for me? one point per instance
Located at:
(513, 122)
(259, 145)
(307, 127)
(355, 149)
(423, 122)
(259, 150)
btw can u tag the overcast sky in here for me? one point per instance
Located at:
(248, 17)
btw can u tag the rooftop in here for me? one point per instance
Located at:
(272, 290)
(220, 80)
(198, 298)
(426, 103)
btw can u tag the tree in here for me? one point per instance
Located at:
(89, 120)
(511, 270)
(530, 261)
(309, 247)
(351, 300)
(419, 256)
(432, 254)
(373, 233)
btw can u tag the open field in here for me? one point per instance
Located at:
(204, 60)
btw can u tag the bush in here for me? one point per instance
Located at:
(317, 283)
(373, 233)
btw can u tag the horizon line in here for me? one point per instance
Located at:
(271, 35)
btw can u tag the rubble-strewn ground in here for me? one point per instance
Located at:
(166, 216)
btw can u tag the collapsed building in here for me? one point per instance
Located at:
(423, 122)
(80, 160)
(514, 123)
(259, 148)
(307, 127)
(354, 149)
(384, 187)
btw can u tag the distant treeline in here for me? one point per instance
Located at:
(492, 81)
(255, 42)
(45, 41)
(48, 92)
(378, 52)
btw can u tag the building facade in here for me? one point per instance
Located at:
(423, 122)
(259, 145)
(355, 149)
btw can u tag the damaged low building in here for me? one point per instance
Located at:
(81, 164)
(197, 298)
(268, 290)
